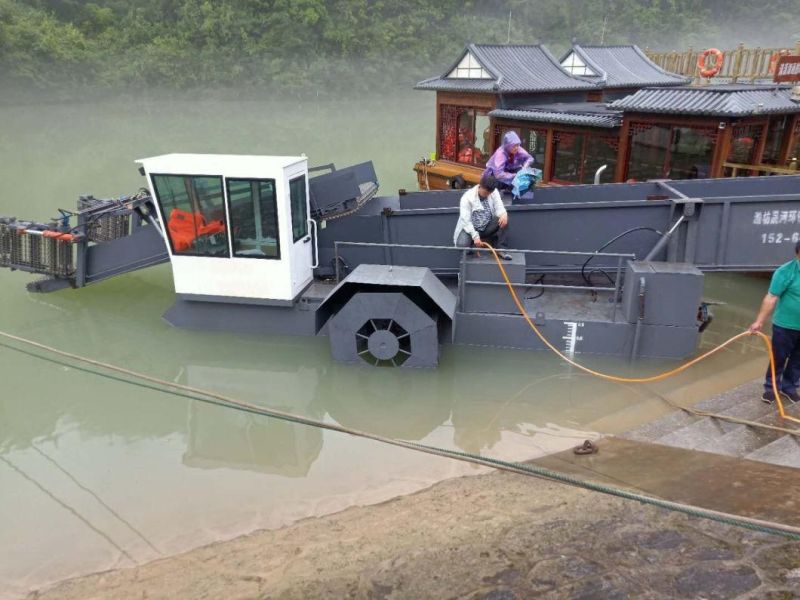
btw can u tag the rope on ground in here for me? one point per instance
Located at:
(209, 397)
(729, 419)
(650, 378)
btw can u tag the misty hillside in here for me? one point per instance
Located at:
(334, 46)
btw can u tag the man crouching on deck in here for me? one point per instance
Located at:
(482, 218)
(784, 291)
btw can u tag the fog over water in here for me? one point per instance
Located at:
(96, 473)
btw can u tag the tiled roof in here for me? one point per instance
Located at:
(517, 68)
(736, 100)
(587, 114)
(624, 66)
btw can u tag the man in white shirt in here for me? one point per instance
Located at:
(482, 217)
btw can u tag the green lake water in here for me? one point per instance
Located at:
(96, 473)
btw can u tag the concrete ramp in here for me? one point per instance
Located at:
(723, 483)
(683, 430)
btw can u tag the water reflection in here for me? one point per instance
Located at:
(238, 440)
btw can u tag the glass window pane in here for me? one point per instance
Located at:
(744, 147)
(448, 136)
(483, 139)
(254, 218)
(691, 153)
(599, 152)
(535, 143)
(778, 128)
(194, 209)
(473, 141)
(297, 197)
(569, 157)
(648, 152)
(466, 136)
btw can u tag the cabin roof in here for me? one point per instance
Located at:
(623, 66)
(511, 68)
(587, 114)
(231, 165)
(729, 100)
(523, 68)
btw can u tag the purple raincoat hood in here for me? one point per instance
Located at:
(509, 139)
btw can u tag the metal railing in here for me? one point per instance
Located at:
(616, 289)
(738, 64)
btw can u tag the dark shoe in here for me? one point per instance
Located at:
(791, 396)
(506, 256)
(586, 448)
(769, 397)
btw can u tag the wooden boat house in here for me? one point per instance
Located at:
(604, 106)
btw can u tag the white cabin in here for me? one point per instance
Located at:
(237, 228)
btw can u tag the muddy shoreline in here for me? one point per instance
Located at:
(496, 536)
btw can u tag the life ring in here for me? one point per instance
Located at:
(701, 62)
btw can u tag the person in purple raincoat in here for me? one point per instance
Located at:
(507, 160)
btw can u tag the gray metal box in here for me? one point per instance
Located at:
(673, 293)
(483, 298)
(484, 268)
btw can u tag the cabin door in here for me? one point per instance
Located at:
(303, 251)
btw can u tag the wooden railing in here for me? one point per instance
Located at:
(761, 169)
(739, 64)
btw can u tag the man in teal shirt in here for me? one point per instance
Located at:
(784, 292)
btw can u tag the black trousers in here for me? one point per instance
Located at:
(786, 348)
(492, 233)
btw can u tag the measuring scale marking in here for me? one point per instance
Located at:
(572, 338)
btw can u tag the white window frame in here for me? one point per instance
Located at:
(574, 65)
(469, 68)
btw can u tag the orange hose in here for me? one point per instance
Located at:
(651, 378)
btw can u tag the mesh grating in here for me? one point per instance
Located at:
(104, 228)
(35, 253)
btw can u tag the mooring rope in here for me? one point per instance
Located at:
(209, 397)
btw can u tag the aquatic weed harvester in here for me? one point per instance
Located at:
(258, 246)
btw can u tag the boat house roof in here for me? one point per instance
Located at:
(618, 67)
(496, 68)
(591, 114)
(728, 100)
(532, 68)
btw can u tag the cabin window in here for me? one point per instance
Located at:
(578, 156)
(574, 65)
(691, 153)
(253, 212)
(670, 151)
(744, 148)
(776, 134)
(533, 140)
(794, 150)
(297, 197)
(194, 210)
(465, 135)
(469, 68)
(649, 147)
